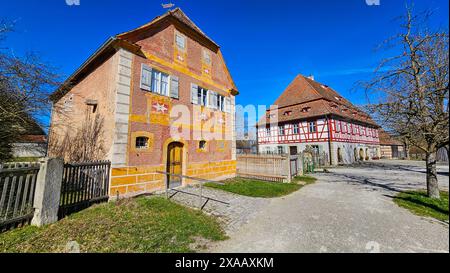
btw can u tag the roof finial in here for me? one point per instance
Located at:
(168, 5)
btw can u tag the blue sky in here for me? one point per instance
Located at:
(265, 43)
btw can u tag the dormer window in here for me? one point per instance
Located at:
(306, 109)
(287, 113)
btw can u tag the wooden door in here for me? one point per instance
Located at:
(175, 163)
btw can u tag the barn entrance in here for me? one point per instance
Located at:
(361, 154)
(175, 163)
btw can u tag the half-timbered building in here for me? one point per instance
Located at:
(311, 113)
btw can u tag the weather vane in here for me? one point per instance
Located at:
(168, 5)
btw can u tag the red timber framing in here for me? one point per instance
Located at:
(341, 131)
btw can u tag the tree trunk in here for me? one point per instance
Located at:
(432, 182)
(406, 147)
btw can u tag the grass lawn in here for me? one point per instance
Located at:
(419, 203)
(256, 188)
(305, 179)
(132, 225)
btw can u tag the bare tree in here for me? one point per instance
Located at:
(25, 85)
(85, 145)
(413, 90)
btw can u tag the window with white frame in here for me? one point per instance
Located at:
(221, 103)
(296, 129)
(338, 126)
(202, 96)
(281, 130)
(159, 82)
(280, 150)
(312, 127)
(205, 97)
(268, 131)
(180, 40)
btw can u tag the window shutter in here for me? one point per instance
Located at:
(174, 87)
(212, 99)
(194, 93)
(227, 107)
(146, 77)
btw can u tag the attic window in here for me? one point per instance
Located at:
(334, 105)
(306, 109)
(180, 40)
(337, 98)
(287, 113)
(206, 56)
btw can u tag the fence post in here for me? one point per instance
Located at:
(288, 167)
(48, 191)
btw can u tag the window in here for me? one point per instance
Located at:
(287, 113)
(281, 130)
(312, 127)
(268, 131)
(306, 109)
(202, 144)
(205, 97)
(296, 131)
(338, 126)
(280, 150)
(315, 148)
(180, 41)
(202, 94)
(141, 142)
(221, 103)
(206, 56)
(160, 83)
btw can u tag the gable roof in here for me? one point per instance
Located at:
(319, 100)
(125, 40)
(177, 14)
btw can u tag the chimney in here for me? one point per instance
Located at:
(311, 77)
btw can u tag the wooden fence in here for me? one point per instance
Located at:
(265, 167)
(17, 184)
(83, 184)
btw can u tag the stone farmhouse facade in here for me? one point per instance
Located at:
(312, 114)
(166, 101)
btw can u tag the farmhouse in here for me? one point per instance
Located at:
(312, 114)
(158, 98)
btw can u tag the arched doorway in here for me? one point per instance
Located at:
(367, 154)
(175, 163)
(339, 154)
(355, 154)
(361, 154)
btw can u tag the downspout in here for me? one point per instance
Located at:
(329, 139)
